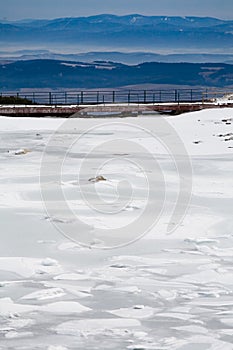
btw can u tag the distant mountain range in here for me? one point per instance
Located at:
(54, 74)
(114, 56)
(80, 53)
(131, 32)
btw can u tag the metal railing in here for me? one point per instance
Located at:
(89, 97)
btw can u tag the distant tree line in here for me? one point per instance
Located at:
(14, 100)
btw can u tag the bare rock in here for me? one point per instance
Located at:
(97, 179)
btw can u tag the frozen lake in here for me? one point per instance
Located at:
(141, 259)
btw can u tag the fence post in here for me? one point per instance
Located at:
(81, 97)
(160, 96)
(50, 98)
(191, 93)
(144, 96)
(203, 97)
(97, 97)
(65, 98)
(176, 95)
(113, 97)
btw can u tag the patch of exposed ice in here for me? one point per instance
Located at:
(176, 315)
(227, 321)
(95, 326)
(45, 294)
(201, 240)
(143, 346)
(167, 294)
(137, 312)
(10, 309)
(72, 277)
(80, 291)
(56, 347)
(28, 267)
(69, 246)
(65, 307)
(228, 331)
(212, 303)
(192, 329)
(18, 323)
(46, 241)
(14, 335)
(103, 287)
(208, 276)
(128, 289)
(228, 252)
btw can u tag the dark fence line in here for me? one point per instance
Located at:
(117, 96)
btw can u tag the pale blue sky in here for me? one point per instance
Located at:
(19, 9)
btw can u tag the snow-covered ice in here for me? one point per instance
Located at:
(158, 291)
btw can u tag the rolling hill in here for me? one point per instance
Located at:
(55, 74)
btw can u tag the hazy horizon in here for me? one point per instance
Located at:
(110, 14)
(49, 9)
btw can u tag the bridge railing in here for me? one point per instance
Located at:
(117, 96)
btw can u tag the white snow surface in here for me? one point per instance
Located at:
(162, 291)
